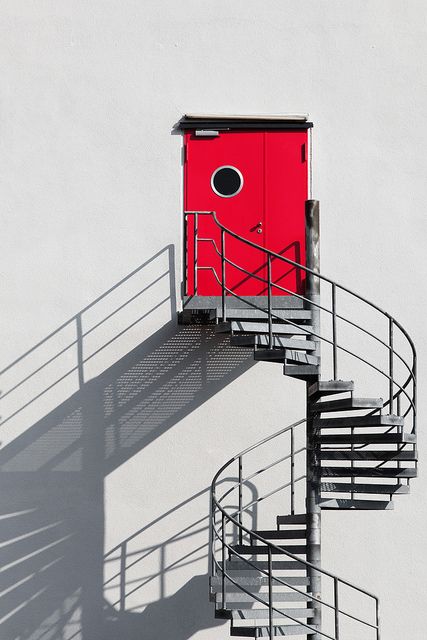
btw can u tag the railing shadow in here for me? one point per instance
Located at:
(95, 413)
(135, 571)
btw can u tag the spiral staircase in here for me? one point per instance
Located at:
(356, 453)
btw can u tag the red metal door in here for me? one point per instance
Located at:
(257, 183)
(286, 182)
(239, 206)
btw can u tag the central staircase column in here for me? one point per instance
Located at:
(313, 462)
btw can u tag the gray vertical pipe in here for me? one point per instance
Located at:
(312, 292)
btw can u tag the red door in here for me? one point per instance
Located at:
(257, 183)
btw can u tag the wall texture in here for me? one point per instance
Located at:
(109, 449)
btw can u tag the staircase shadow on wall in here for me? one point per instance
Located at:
(52, 471)
(135, 569)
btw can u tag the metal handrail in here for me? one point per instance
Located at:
(220, 535)
(405, 389)
(401, 388)
(392, 322)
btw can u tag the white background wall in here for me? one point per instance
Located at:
(91, 189)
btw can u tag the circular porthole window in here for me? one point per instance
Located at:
(226, 181)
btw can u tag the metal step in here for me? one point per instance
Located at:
(234, 599)
(350, 487)
(282, 534)
(258, 314)
(359, 421)
(277, 343)
(368, 454)
(252, 615)
(330, 387)
(270, 355)
(262, 549)
(264, 632)
(255, 582)
(362, 505)
(367, 472)
(347, 404)
(278, 565)
(241, 326)
(300, 371)
(295, 518)
(301, 358)
(286, 356)
(366, 438)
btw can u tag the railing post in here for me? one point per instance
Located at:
(240, 499)
(292, 472)
(195, 250)
(334, 330)
(391, 362)
(223, 285)
(377, 618)
(270, 594)
(352, 461)
(223, 559)
(185, 256)
(213, 536)
(312, 293)
(414, 394)
(336, 610)
(312, 282)
(270, 318)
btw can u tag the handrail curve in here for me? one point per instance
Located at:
(220, 535)
(402, 390)
(397, 390)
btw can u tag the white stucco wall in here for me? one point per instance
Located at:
(91, 190)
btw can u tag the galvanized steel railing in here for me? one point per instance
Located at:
(402, 390)
(223, 519)
(402, 393)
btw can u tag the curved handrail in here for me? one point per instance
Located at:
(394, 395)
(398, 388)
(220, 535)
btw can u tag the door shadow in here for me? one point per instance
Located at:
(52, 470)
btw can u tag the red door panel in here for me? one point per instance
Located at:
(243, 213)
(265, 206)
(285, 196)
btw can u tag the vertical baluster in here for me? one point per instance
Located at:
(414, 394)
(270, 594)
(377, 617)
(336, 610)
(240, 499)
(352, 462)
(270, 318)
(391, 362)
(223, 535)
(213, 537)
(186, 255)
(334, 331)
(292, 472)
(195, 231)
(223, 285)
